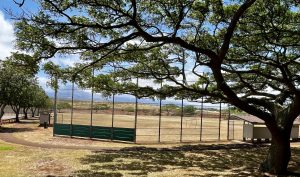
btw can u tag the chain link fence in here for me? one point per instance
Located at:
(146, 120)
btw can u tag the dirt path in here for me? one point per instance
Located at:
(8, 137)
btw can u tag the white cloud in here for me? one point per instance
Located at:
(65, 61)
(147, 82)
(6, 37)
(43, 83)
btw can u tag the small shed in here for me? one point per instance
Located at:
(255, 128)
(45, 117)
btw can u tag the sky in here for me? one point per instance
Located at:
(7, 38)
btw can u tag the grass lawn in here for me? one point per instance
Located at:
(206, 159)
(186, 160)
(18, 161)
(195, 160)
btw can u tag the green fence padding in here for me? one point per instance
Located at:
(62, 129)
(124, 134)
(99, 132)
(81, 130)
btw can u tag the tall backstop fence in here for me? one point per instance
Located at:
(83, 113)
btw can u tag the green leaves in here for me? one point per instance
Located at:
(23, 62)
(247, 47)
(18, 85)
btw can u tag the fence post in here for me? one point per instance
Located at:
(113, 110)
(183, 82)
(181, 120)
(55, 104)
(220, 116)
(72, 109)
(112, 117)
(201, 117)
(159, 118)
(92, 104)
(136, 111)
(228, 119)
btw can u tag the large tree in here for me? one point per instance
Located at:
(32, 97)
(13, 85)
(5, 78)
(18, 85)
(39, 101)
(251, 48)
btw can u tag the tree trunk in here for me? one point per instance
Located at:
(16, 110)
(25, 113)
(17, 116)
(33, 110)
(2, 107)
(279, 153)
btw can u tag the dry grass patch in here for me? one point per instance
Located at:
(30, 131)
(19, 161)
(132, 160)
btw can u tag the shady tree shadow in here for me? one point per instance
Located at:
(29, 120)
(228, 160)
(23, 126)
(14, 129)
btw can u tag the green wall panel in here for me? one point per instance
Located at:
(123, 134)
(62, 129)
(99, 132)
(81, 130)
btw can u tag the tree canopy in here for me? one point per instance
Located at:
(249, 48)
(18, 85)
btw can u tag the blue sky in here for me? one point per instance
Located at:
(7, 36)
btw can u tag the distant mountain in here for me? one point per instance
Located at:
(86, 95)
(65, 93)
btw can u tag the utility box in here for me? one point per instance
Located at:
(45, 117)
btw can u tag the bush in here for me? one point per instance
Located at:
(189, 110)
(63, 105)
(98, 107)
(171, 109)
(129, 109)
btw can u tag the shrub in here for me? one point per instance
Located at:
(98, 107)
(129, 109)
(189, 110)
(170, 108)
(63, 105)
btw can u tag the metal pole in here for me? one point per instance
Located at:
(55, 104)
(183, 81)
(136, 111)
(113, 110)
(159, 119)
(201, 117)
(112, 117)
(92, 104)
(228, 119)
(233, 130)
(181, 120)
(220, 115)
(72, 109)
